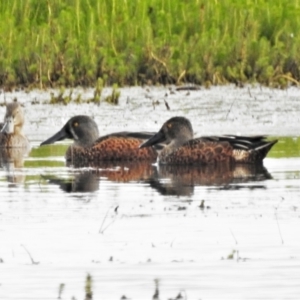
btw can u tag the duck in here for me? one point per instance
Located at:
(11, 135)
(88, 147)
(181, 148)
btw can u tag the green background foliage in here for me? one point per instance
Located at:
(74, 42)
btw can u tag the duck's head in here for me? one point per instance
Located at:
(82, 129)
(174, 133)
(14, 118)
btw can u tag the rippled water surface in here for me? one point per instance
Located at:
(209, 233)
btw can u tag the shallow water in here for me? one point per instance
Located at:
(207, 234)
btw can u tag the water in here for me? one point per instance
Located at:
(207, 234)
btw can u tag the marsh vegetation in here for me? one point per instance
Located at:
(71, 43)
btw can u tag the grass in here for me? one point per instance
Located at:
(286, 147)
(75, 42)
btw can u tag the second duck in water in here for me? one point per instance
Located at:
(11, 135)
(181, 148)
(88, 147)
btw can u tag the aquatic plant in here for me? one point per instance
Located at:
(89, 293)
(113, 98)
(61, 98)
(98, 91)
(65, 97)
(70, 43)
(156, 293)
(60, 290)
(232, 254)
(88, 287)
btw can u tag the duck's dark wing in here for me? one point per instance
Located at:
(141, 135)
(242, 142)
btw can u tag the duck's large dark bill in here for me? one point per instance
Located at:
(156, 139)
(61, 135)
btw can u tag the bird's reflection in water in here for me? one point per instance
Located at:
(79, 182)
(127, 171)
(87, 179)
(167, 179)
(181, 180)
(12, 161)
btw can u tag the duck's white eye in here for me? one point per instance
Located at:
(75, 124)
(169, 125)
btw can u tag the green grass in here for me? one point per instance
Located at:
(51, 43)
(286, 147)
(49, 151)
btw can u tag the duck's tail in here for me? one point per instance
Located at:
(246, 149)
(254, 152)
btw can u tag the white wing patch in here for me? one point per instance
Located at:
(241, 155)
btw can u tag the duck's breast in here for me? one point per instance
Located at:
(13, 141)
